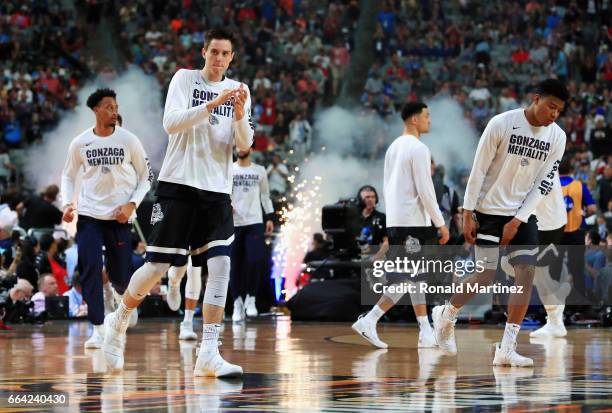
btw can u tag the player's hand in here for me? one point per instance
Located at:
(510, 230)
(226, 95)
(469, 227)
(68, 213)
(239, 102)
(124, 212)
(269, 227)
(444, 235)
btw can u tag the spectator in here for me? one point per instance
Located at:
(300, 135)
(277, 176)
(6, 167)
(26, 268)
(47, 262)
(605, 188)
(39, 212)
(319, 250)
(76, 306)
(47, 287)
(594, 259)
(13, 302)
(600, 141)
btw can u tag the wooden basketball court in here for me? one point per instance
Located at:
(294, 366)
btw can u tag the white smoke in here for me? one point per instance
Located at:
(350, 151)
(139, 99)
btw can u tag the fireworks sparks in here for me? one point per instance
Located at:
(300, 216)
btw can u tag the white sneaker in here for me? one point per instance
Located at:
(554, 326)
(509, 357)
(187, 332)
(97, 337)
(427, 339)
(174, 296)
(249, 304)
(211, 364)
(367, 329)
(239, 313)
(444, 330)
(114, 343)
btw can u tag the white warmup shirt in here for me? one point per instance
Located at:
(410, 198)
(514, 166)
(199, 152)
(249, 193)
(551, 212)
(115, 171)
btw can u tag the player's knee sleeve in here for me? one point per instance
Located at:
(194, 282)
(218, 280)
(176, 274)
(488, 257)
(394, 296)
(145, 278)
(417, 297)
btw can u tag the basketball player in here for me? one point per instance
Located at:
(552, 217)
(115, 178)
(250, 192)
(411, 205)
(514, 168)
(205, 113)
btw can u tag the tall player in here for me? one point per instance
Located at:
(411, 206)
(205, 113)
(115, 178)
(514, 168)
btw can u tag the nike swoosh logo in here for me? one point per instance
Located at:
(217, 296)
(87, 144)
(197, 83)
(515, 127)
(364, 334)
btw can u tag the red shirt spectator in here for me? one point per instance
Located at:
(268, 116)
(520, 56)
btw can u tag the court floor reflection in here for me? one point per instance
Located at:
(308, 367)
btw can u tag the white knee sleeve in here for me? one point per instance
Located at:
(218, 280)
(394, 296)
(194, 282)
(176, 274)
(417, 297)
(145, 278)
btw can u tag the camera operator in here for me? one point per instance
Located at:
(373, 232)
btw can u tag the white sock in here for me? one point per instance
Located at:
(375, 313)
(210, 336)
(424, 323)
(189, 315)
(450, 312)
(99, 329)
(123, 317)
(107, 288)
(555, 313)
(510, 334)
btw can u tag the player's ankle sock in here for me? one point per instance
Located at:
(123, 317)
(189, 315)
(375, 313)
(424, 323)
(210, 336)
(510, 334)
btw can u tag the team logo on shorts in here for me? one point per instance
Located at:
(524, 162)
(212, 119)
(156, 214)
(412, 245)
